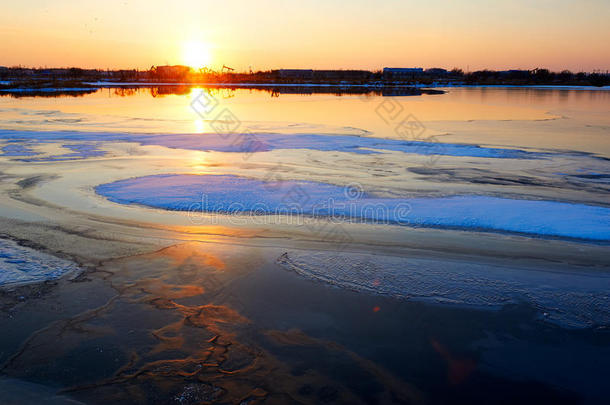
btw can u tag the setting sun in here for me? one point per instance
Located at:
(196, 54)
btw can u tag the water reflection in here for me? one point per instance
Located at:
(48, 93)
(164, 340)
(226, 92)
(173, 333)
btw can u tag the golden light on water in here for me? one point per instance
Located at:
(196, 54)
(200, 126)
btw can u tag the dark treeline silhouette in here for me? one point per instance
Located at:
(536, 77)
(77, 77)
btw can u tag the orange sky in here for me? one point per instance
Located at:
(474, 34)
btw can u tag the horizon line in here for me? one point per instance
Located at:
(235, 71)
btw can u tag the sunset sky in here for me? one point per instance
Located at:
(474, 34)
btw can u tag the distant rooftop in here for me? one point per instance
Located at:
(402, 70)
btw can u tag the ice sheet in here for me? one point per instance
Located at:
(568, 299)
(20, 264)
(262, 142)
(239, 195)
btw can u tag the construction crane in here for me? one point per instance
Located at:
(229, 69)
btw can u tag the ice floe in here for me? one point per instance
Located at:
(228, 194)
(19, 264)
(569, 299)
(263, 142)
(24, 152)
(17, 149)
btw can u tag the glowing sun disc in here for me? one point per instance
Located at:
(196, 54)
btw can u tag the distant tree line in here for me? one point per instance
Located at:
(536, 77)
(180, 74)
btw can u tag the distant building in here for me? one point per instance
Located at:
(401, 73)
(341, 74)
(323, 75)
(171, 72)
(436, 71)
(306, 74)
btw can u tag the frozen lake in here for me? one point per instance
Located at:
(408, 236)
